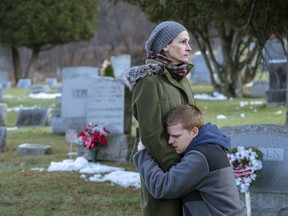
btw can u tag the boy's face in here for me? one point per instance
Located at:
(180, 138)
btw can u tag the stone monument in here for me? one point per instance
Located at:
(269, 194)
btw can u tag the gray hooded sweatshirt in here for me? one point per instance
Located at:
(203, 179)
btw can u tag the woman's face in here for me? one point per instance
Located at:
(178, 50)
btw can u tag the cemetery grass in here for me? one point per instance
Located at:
(28, 192)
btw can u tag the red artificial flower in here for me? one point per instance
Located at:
(93, 136)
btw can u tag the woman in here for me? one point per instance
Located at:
(158, 86)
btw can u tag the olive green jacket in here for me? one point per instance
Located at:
(155, 92)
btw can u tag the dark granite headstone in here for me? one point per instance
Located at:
(270, 190)
(276, 95)
(32, 117)
(272, 51)
(2, 138)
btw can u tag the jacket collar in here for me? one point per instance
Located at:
(131, 76)
(136, 73)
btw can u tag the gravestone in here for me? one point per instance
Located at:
(56, 113)
(74, 97)
(32, 117)
(5, 84)
(34, 149)
(270, 191)
(2, 138)
(200, 73)
(51, 82)
(3, 114)
(117, 149)
(38, 88)
(58, 88)
(73, 72)
(105, 107)
(259, 89)
(272, 51)
(58, 101)
(73, 105)
(24, 83)
(120, 64)
(61, 125)
(5, 63)
(105, 104)
(276, 94)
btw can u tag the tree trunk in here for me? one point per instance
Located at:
(31, 66)
(16, 64)
(230, 77)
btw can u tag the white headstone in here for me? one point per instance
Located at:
(72, 72)
(51, 82)
(120, 64)
(105, 104)
(74, 96)
(200, 73)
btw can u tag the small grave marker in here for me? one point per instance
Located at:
(34, 149)
(71, 137)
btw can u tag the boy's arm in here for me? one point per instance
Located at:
(180, 179)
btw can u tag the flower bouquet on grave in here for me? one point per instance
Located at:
(93, 137)
(246, 163)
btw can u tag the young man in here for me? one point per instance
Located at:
(204, 178)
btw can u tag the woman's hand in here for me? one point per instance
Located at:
(140, 146)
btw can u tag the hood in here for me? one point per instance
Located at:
(136, 73)
(210, 134)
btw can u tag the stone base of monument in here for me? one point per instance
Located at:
(34, 149)
(118, 149)
(61, 125)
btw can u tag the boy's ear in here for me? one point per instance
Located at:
(195, 131)
(165, 49)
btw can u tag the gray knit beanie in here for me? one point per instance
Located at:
(162, 35)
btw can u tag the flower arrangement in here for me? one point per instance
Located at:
(246, 164)
(93, 136)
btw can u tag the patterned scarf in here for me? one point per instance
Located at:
(180, 70)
